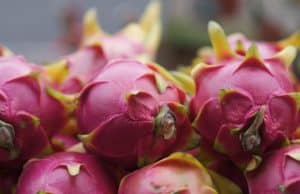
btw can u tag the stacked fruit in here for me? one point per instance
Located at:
(107, 119)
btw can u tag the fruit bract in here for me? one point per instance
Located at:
(4, 51)
(239, 103)
(278, 174)
(65, 173)
(131, 115)
(178, 173)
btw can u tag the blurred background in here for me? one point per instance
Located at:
(45, 30)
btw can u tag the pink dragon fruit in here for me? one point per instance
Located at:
(130, 115)
(22, 135)
(29, 114)
(240, 44)
(239, 102)
(278, 174)
(137, 40)
(65, 172)
(178, 173)
(237, 44)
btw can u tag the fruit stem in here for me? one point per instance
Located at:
(7, 136)
(251, 139)
(165, 123)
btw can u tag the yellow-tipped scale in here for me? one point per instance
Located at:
(151, 15)
(185, 80)
(219, 40)
(293, 40)
(153, 37)
(134, 31)
(253, 52)
(91, 28)
(4, 51)
(287, 55)
(57, 71)
(73, 169)
(197, 69)
(91, 25)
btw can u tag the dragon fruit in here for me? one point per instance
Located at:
(238, 44)
(130, 115)
(279, 173)
(22, 135)
(178, 173)
(241, 117)
(65, 172)
(137, 40)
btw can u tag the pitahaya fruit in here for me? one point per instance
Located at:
(178, 173)
(238, 44)
(66, 172)
(239, 102)
(22, 135)
(278, 174)
(136, 41)
(130, 115)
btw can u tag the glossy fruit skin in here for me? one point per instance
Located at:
(23, 133)
(65, 172)
(279, 173)
(117, 111)
(177, 173)
(230, 94)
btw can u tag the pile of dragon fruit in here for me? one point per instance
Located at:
(107, 119)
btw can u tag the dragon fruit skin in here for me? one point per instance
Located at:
(178, 173)
(22, 134)
(66, 172)
(228, 105)
(136, 41)
(279, 173)
(150, 110)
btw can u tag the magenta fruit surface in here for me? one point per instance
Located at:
(65, 173)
